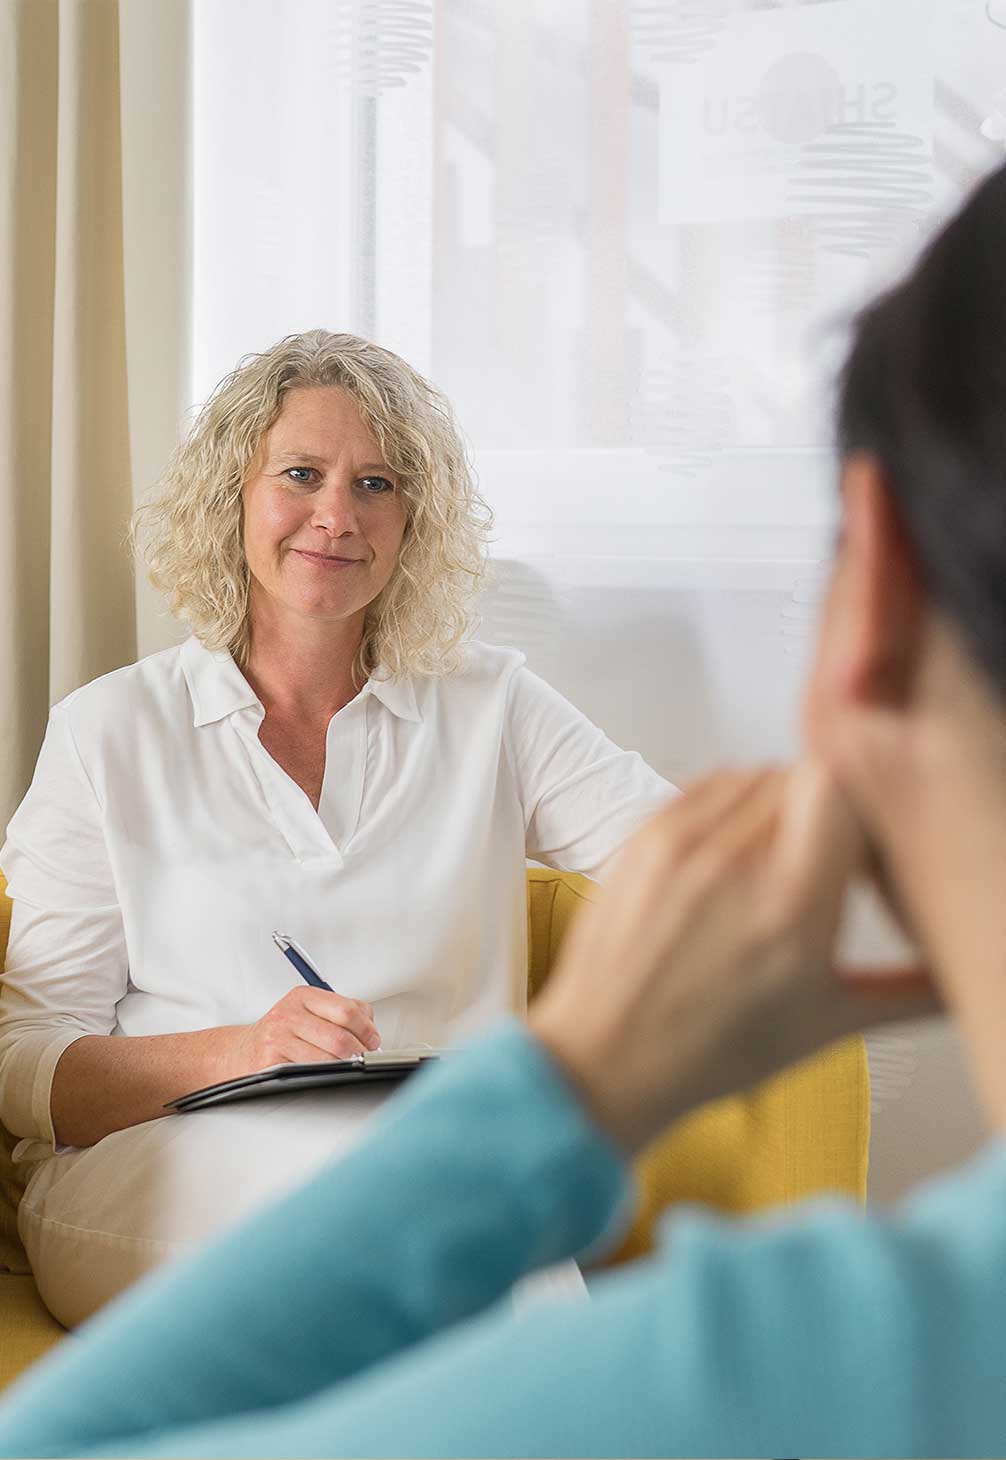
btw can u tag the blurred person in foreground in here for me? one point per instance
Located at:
(355, 1318)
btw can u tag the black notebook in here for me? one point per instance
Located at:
(362, 1069)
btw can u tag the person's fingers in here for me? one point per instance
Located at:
(334, 1040)
(691, 817)
(675, 863)
(743, 827)
(820, 842)
(349, 1014)
(659, 859)
(744, 819)
(298, 1051)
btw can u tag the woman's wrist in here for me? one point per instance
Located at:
(228, 1057)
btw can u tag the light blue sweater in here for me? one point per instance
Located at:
(354, 1318)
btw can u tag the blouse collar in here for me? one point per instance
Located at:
(217, 687)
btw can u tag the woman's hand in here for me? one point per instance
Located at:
(103, 1083)
(707, 964)
(305, 1026)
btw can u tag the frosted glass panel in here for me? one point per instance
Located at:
(600, 226)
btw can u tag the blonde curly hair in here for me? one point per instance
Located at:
(190, 536)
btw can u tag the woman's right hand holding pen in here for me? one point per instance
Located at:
(305, 1026)
(127, 1081)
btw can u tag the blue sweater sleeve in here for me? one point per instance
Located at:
(480, 1171)
(821, 1331)
(824, 1332)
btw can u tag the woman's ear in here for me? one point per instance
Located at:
(872, 631)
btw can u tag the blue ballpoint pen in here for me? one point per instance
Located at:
(300, 961)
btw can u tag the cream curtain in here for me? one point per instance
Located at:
(93, 337)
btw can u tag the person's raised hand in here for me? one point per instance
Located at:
(707, 963)
(303, 1027)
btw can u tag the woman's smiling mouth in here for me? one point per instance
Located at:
(326, 560)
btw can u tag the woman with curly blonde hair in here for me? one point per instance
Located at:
(329, 753)
(194, 548)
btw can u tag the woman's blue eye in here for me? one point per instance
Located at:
(303, 476)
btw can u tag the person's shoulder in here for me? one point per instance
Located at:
(480, 679)
(489, 662)
(955, 1209)
(124, 692)
(963, 1194)
(479, 667)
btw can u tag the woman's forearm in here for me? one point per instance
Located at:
(104, 1083)
(107, 1082)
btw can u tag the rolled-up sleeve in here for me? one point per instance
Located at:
(66, 966)
(582, 795)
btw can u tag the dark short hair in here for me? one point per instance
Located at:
(924, 389)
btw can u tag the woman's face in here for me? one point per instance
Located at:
(323, 517)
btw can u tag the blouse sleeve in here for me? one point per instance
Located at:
(582, 795)
(66, 966)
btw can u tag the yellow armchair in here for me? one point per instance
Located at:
(803, 1132)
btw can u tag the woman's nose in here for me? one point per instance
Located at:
(334, 510)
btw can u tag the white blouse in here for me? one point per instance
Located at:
(160, 844)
